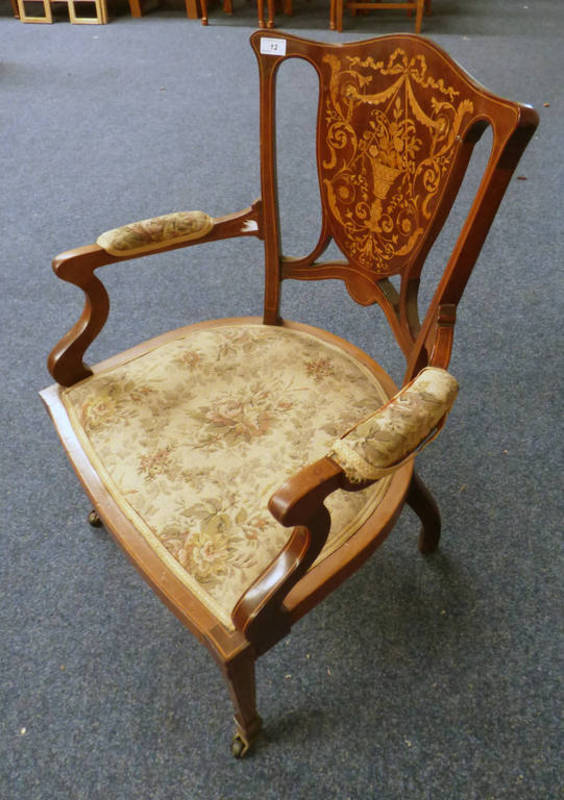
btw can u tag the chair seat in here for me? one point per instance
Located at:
(192, 437)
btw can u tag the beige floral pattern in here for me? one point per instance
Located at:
(237, 416)
(193, 438)
(319, 369)
(138, 237)
(378, 444)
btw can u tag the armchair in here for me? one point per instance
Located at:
(249, 466)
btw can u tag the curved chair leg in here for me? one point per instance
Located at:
(420, 499)
(339, 15)
(419, 16)
(240, 677)
(260, 12)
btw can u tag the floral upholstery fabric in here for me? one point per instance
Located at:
(377, 445)
(139, 237)
(194, 437)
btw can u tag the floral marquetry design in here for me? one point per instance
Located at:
(391, 131)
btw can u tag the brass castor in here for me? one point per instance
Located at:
(239, 747)
(94, 519)
(244, 738)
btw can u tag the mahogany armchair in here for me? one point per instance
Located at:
(165, 436)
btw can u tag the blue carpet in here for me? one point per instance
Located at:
(455, 691)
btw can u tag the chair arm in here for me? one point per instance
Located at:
(399, 430)
(140, 237)
(147, 237)
(374, 447)
(179, 229)
(259, 613)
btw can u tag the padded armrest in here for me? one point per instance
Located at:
(139, 237)
(399, 430)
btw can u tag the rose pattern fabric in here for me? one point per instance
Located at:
(194, 437)
(378, 444)
(138, 237)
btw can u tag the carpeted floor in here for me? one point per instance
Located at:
(455, 693)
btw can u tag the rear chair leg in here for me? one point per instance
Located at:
(420, 499)
(240, 677)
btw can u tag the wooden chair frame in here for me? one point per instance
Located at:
(101, 17)
(337, 6)
(25, 17)
(290, 587)
(287, 8)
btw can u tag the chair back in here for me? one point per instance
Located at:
(397, 123)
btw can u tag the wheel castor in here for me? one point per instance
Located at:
(239, 748)
(94, 519)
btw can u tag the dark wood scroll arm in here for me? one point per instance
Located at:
(77, 266)
(65, 362)
(260, 613)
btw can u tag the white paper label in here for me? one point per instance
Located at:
(273, 47)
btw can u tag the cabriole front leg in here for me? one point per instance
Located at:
(240, 677)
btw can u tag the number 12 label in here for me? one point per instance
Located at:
(273, 47)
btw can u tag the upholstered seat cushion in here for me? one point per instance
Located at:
(193, 437)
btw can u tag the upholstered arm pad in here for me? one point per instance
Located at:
(148, 234)
(398, 430)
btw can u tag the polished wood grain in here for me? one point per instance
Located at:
(397, 123)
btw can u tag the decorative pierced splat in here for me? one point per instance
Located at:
(391, 130)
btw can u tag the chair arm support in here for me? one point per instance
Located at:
(259, 613)
(65, 362)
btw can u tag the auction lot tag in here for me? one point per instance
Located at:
(273, 47)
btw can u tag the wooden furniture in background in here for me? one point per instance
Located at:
(336, 9)
(397, 126)
(287, 8)
(100, 9)
(139, 8)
